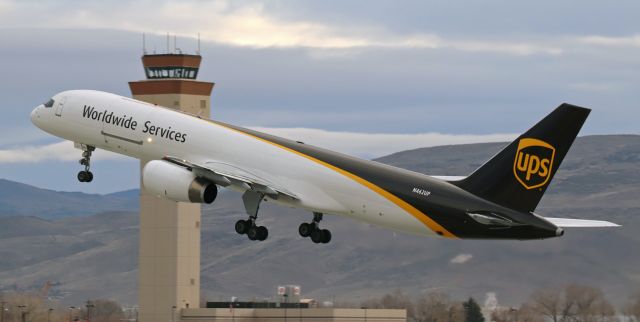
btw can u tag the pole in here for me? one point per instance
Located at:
(286, 301)
(23, 315)
(89, 307)
(2, 303)
(49, 315)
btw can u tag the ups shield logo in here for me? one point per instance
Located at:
(533, 163)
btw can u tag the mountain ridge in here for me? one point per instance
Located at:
(599, 179)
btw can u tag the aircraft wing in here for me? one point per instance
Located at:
(225, 175)
(568, 222)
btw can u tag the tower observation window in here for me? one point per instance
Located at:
(171, 72)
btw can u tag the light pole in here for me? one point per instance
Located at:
(2, 303)
(173, 313)
(71, 308)
(49, 314)
(89, 306)
(23, 314)
(286, 302)
(515, 312)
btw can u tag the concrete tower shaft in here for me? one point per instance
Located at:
(169, 251)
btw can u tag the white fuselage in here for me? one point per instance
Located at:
(147, 132)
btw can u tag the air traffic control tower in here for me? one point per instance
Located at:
(169, 251)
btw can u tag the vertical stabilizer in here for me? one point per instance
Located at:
(518, 176)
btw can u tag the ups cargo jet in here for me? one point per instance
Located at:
(192, 157)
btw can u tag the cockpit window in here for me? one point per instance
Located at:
(49, 103)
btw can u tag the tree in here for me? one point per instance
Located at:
(589, 304)
(106, 311)
(433, 307)
(472, 311)
(549, 303)
(632, 309)
(395, 300)
(576, 303)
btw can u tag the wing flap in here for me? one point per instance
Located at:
(580, 223)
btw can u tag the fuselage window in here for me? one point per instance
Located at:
(49, 103)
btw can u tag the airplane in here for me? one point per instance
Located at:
(190, 158)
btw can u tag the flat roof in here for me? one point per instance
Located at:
(313, 314)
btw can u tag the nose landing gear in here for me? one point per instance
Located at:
(86, 175)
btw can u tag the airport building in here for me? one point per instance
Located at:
(169, 250)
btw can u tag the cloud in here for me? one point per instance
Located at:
(513, 48)
(5, 6)
(247, 25)
(628, 41)
(61, 151)
(367, 145)
(461, 259)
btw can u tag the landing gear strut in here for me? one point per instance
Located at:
(86, 175)
(252, 201)
(313, 230)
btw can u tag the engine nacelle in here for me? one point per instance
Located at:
(176, 183)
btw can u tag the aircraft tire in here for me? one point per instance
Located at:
(252, 233)
(305, 229)
(82, 176)
(326, 236)
(89, 177)
(242, 226)
(316, 236)
(263, 233)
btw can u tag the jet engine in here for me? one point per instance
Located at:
(176, 183)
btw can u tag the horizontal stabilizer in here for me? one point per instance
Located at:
(450, 178)
(568, 222)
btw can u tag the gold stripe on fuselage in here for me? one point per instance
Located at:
(426, 220)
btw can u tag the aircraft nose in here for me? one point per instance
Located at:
(35, 115)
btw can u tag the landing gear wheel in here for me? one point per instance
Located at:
(242, 226)
(252, 233)
(305, 229)
(312, 229)
(252, 200)
(263, 233)
(83, 176)
(326, 236)
(317, 236)
(89, 177)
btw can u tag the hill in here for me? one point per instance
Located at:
(96, 256)
(19, 199)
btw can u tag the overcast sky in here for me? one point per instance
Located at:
(363, 77)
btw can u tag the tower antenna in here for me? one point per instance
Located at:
(168, 52)
(144, 44)
(198, 44)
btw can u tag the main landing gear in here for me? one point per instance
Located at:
(252, 201)
(86, 175)
(313, 230)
